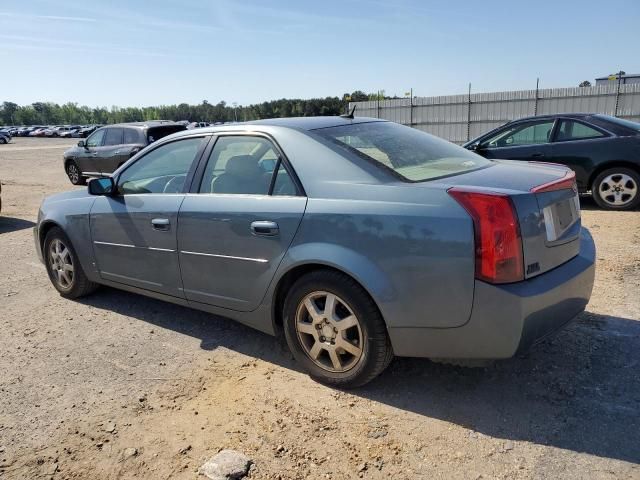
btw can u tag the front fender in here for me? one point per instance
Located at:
(70, 212)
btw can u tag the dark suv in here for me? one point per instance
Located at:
(109, 147)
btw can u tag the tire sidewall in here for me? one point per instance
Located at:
(53, 234)
(71, 164)
(358, 305)
(611, 171)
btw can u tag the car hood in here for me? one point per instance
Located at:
(70, 195)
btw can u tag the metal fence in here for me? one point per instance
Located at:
(459, 118)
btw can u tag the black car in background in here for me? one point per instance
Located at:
(604, 151)
(5, 137)
(109, 147)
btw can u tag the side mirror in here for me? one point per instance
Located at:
(475, 147)
(81, 143)
(102, 186)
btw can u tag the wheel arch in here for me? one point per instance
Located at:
(612, 164)
(295, 272)
(44, 228)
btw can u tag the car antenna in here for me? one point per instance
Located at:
(350, 114)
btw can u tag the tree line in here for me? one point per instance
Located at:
(49, 113)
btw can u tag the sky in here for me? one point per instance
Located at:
(139, 53)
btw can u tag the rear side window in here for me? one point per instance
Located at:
(113, 136)
(240, 165)
(156, 133)
(131, 136)
(409, 153)
(570, 130)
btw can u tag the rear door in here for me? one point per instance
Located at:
(238, 222)
(521, 141)
(580, 146)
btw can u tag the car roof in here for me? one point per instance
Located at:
(312, 123)
(149, 124)
(554, 115)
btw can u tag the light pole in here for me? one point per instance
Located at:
(235, 110)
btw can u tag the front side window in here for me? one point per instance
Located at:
(409, 153)
(570, 130)
(163, 170)
(240, 165)
(95, 139)
(532, 133)
(113, 136)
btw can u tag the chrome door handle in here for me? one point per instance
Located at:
(161, 224)
(265, 228)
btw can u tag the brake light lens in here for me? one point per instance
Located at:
(568, 181)
(498, 244)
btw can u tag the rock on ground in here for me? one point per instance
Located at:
(228, 464)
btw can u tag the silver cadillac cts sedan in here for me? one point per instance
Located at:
(357, 239)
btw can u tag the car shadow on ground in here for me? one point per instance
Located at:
(11, 224)
(578, 391)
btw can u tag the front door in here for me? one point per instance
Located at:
(87, 156)
(522, 141)
(235, 228)
(134, 231)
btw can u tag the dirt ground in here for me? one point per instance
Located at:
(121, 386)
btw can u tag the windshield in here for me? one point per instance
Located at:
(619, 121)
(413, 155)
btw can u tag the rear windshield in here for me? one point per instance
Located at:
(621, 122)
(411, 154)
(156, 133)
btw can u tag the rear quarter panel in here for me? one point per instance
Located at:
(415, 258)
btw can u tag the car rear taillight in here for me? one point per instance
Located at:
(498, 244)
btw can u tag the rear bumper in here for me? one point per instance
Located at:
(508, 319)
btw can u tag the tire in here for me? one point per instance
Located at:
(2, 141)
(74, 173)
(59, 254)
(316, 342)
(617, 189)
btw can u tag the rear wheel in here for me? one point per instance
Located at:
(74, 174)
(617, 189)
(335, 330)
(63, 266)
(3, 140)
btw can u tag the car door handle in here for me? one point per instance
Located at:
(537, 155)
(161, 224)
(265, 228)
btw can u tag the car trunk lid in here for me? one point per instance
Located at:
(546, 202)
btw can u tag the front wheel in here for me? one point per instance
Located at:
(335, 330)
(74, 174)
(617, 189)
(64, 269)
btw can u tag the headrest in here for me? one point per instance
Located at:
(243, 166)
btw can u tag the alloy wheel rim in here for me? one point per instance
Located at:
(329, 332)
(61, 264)
(73, 173)
(618, 189)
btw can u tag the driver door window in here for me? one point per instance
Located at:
(163, 170)
(95, 139)
(523, 134)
